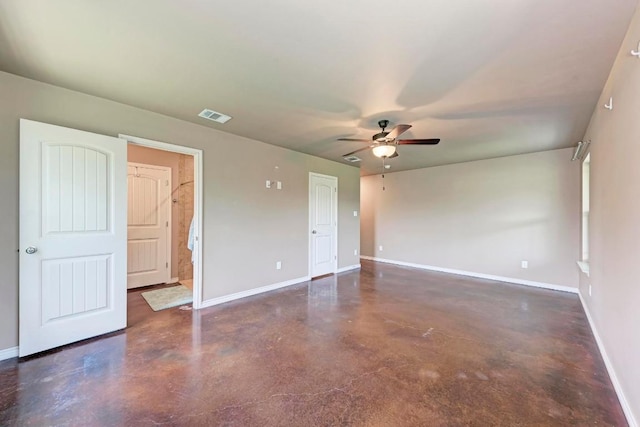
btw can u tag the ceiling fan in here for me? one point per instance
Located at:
(385, 143)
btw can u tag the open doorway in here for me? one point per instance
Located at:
(159, 218)
(74, 234)
(164, 200)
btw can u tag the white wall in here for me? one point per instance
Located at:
(614, 226)
(481, 217)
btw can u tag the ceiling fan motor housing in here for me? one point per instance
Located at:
(380, 137)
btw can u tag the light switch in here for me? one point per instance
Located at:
(268, 184)
(355, 213)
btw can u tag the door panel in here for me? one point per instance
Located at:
(73, 213)
(323, 250)
(75, 286)
(323, 222)
(148, 224)
(75, 196)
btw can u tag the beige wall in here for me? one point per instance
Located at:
(247, 228)
(185, 207)
(481, 217)
(149, 156)
(614, 229)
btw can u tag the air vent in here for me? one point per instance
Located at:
(352, 159)
(214, 116)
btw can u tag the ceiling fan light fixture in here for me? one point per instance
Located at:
(384, 150)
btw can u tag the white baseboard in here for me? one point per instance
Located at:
(478, 275)
(173, 280)
(348, 268)
(626, 408)
(8, 353)
(251, 292)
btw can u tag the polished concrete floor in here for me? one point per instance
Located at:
(385, 346)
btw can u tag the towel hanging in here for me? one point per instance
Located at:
(191, 240)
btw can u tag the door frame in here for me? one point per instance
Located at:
(169, 228)
(310, 225)
(197, 201)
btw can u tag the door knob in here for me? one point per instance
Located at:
(313, 232)
(31, 250)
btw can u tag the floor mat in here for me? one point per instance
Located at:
(168, 297)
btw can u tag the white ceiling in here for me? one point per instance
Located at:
(490, 78)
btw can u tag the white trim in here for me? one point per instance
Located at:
(584, 267)
(174, 280)
(348, 268)
(198, 201)
(251, 292)
(8, 353)
(478, 275)
(335, 228)
(626, 408)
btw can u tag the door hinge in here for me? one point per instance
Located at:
(335, 257)
(167, 223)
(166, 183)
(166, 265)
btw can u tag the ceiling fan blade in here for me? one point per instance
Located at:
(357, 151)
(418, 141)
(354, 139)
(394, 155)
(397, 131)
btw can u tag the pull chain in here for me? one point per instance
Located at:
(383, 168)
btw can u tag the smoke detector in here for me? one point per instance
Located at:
(214, 116)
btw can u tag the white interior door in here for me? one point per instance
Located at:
(73, 252)
(323, 221)
(148, 218)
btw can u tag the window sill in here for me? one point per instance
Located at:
(584, 267)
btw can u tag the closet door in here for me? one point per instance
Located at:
(148, 218)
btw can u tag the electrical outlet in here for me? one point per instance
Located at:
(380, 248)
(355, 252)
(279, 185)
(355, 213)
(589, 290)
(278, 265)
(525, 264)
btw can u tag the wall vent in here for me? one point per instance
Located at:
(214, 116)
(352, 159)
